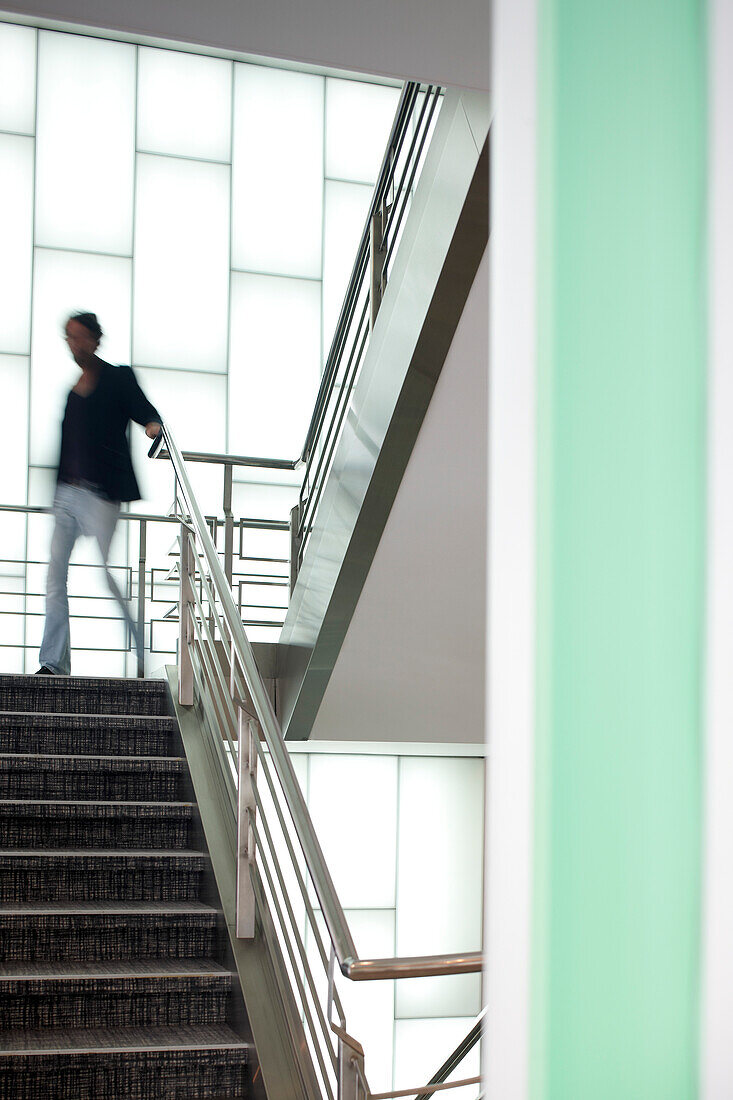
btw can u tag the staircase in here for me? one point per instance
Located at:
(111, 944)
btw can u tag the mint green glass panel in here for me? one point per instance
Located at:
(621, 509)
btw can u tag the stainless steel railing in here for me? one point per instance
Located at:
(279, 856)
(229, 463)
(149, 582)
(408, 141)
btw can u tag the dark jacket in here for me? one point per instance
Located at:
(108, 410)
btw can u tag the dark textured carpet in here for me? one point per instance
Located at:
(111, 982)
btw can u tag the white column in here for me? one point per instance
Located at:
(511, 584)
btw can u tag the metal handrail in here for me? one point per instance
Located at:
(363, 297)
(350, 964)
(235, 460)
(141, 571)
(406, 102)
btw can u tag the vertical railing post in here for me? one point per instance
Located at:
(185, 667)
(228, 525)
(351, 1079)
(245, 914)
(141, 599)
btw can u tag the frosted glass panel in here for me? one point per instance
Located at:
(277, 171)
(12, 585)
(11, 617)
(155, 479)
(266, 544)
(353, 803)
(41, 486)
(421, 1047)
(449, 996)
(184, 104)
(358, 123)
(346, 209)
(97, 663)
(369, 1005)
(155, 476)
(86, 108)
(442, 799)
(65, 282)
(96, 635)
(194, 406)
(181, 264)
(263, 633)
(17, 78)
(12, 542)
(274, 364)
(11, 661)
(14, 370)
(264, 501)
(16, 242)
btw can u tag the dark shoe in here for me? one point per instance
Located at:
(44, 670)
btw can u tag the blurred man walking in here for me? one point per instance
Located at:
(95, 474)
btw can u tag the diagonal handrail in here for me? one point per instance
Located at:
(338, 929)
(404, 107)
(365, 289)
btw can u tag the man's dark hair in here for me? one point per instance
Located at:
(89, 321)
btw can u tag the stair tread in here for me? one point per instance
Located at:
(147, 683)
(107, 908)
(93, 802)
(121, 1040)
(133, 968)
(90, 756)
(102, 853)
(87, 717)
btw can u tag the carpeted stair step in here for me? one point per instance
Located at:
(111, 983)
(88, 734)
(88, 778)
(83, 695)
(57, 824)
(181, 1063)
(119, 995)
(107, 931)
(100, 875)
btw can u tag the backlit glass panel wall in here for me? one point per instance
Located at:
(208, 211)
(402, 833)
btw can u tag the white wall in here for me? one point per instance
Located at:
(412, 666)
(447, 42)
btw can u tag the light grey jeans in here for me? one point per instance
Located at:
(78, 512)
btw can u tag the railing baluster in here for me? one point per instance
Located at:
(141, 600)
(228, 524)
(245, 911)
(185, 668)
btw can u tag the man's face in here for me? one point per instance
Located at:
(82, 344)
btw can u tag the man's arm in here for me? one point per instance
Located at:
(139, 408)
